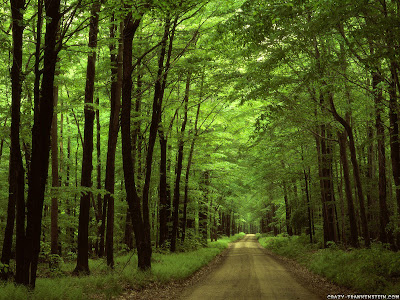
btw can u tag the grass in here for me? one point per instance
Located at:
(371, 271)
(106, 283)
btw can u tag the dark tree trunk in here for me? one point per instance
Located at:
(370, 176)
(325, 164)
(140, 224)
(2, 140)
(287, 208)
(394, 136)
(55, 179)
(308, 205)
(228, 224)
(179, 168)
(40, 149)
(385, 235)
(189, 164)
(98, 209)
(203, 209)
(347, 186)
(128, 234)
(39, 25)
(356, 171)
(327, 196)
(82, 265)
(164, 199)
(16, 170)
(115, 101)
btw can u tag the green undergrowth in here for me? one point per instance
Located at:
(105, 283)
(373, 271)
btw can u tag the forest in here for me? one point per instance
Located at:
(138, 128)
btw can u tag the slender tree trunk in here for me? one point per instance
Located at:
(39, 25)
(287, 208)
(82, 264)
(203, 209)
(385, 235)
(164, 199)
(179, 168)
(128, 235)
(55, 179)
(115, 101)
(99, 205)
(40, 148)
(189, 164)
(140, 227)
(16, 170)
(2, 140)
(394, 136)
(349, 195)
(356, 171)
(370, 176)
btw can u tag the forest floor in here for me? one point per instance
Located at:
(245, 271)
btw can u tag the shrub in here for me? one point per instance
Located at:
(374, 270)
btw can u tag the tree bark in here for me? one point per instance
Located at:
(82, 264)
(164, 199)
(385, 235)
(189, 164)
(394, 136)
(40, 148)
(287, 208)
(179, 168)
(140, 226)
(347, 186)
(55, 179)
(16, 170)
(98, 209)
(356, 171)
(115, 101)
(203, 209)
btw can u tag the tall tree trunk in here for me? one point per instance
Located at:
(2, 140)
(394, 136)
(203, 209)
(189, 164)
(16, 170)
(347, 186)
(356, 171)
(164, 199)
(142, 234)
(325, 162)
(287, 208)
(370, 176)
(115, 101)
(179, 168)
(40, 149)
(82, 263)
(385, 235)
(55, 179)
(99, 205)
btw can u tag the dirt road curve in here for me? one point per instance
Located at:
(248, 273)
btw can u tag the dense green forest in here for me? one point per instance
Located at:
(151, 126)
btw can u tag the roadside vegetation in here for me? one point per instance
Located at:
(371, 271)
(106, 283)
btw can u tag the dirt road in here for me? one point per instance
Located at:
(248, 273)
